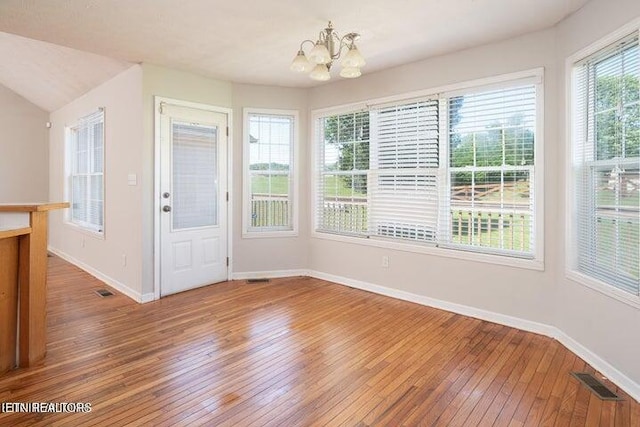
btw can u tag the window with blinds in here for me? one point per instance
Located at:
(606, 165)
(404, 174)
(86, 172)
(491, 168)
(455, 170)
(269, 144)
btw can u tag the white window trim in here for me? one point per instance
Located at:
(533, 76)
(571, 253)
(67, 217)
(247, 233)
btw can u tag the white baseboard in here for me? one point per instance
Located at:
(490, 316)
(628, 385)
(273, 274)
(148, 297)
(119, 286)
(605, 368)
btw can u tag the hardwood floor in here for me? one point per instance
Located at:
(293, 352)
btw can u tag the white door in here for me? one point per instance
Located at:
(193, 198)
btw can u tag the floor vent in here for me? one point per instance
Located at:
(262, 280)
(104, 293)
(595, 386)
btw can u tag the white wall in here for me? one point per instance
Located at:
(509, 291)
(267, 254)
(604, 325)
(122, 99)
(24, 148)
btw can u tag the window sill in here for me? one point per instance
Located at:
(86, 231)
(268, 234)
(603, 288)
(534, 264)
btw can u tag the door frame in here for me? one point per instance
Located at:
(157, 103)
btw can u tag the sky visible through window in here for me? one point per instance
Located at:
(270, 139)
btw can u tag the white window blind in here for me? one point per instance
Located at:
(269, 147)
(404, 176)
(606, 165)
(491, 166)
(194, 175)
(87, 172)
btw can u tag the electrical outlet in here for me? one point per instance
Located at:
(385, 261)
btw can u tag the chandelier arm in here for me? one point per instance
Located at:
(305, 41)
(342, 45)
(348, 40)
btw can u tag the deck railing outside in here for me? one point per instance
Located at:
(488, 226)
(268, 210)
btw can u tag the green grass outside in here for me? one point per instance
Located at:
(337, 186)
(279, 184)
(627, 231)
(515, 230)
(608, 198)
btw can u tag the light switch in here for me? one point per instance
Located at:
(132, 179)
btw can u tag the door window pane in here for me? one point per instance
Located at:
(194, 175)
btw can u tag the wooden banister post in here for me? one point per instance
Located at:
(33, 298)
(32, 281)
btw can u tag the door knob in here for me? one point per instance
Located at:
(166, 208)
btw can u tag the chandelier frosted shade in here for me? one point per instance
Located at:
(327, 49)
(350, 72)
(301, 63)
(320, 72)
(353, 58)
(320, 54)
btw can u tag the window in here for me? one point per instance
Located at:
(491, 169)
(344, 165)
(405, 170)
(86, 172)
(454, 170)
(606, 166)
(269, 149)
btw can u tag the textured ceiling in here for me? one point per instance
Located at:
(254, 42)
(48, 75)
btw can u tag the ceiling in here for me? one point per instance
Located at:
(245, 42)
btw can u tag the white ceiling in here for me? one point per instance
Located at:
(248, 42)
(51, 76)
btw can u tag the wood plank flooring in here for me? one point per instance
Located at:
(293, 352)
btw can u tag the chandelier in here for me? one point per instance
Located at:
(327, 49)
